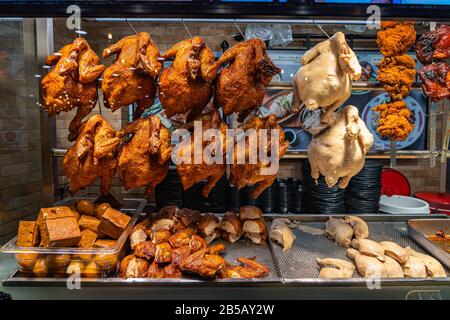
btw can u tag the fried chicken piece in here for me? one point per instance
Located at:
(241, 85)
(397, 75)
(436, 81)
(72, 82)
(249, 269)
(144, 159)
(163, 253)
(145, 250)
(131, 78)
(188, 155)
(203, 263)
(179, 254)
(395, 120)
(395, 38)
(155, 271)
(172, 271)
(260, 174)
(186, 86)
(92, 155)
(434, 45)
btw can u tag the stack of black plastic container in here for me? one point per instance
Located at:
(364, 190)
(322, 199)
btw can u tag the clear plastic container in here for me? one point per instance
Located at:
(63, 262)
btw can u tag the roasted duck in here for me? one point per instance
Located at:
(72, 82)
(241, 85)
(325, 78)
(144, 159)
(247, 173)
(395, 120)
(397, 75)
(434, 45)
(131, 78)
(436, 80)
(186, 86)
(339, 151)
(194, 167)
(92, 156)
(395, 37)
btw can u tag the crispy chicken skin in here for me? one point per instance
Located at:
(155, 271)
(434, 45)
(241, 85)
(144, 159)
(395, 120)
(249, 269)
(242, 175)
(203, 263)
(436, 80)
(395, 38)
(92, 155)
(145, 250)
(72, 82)
(186, 86)
(192, 173)
(397, 75)
(179, 254)
(131, 78)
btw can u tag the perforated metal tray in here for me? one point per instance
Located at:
(299, 266)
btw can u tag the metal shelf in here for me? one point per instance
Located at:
(356, 86)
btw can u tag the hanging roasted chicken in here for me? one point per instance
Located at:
(92, 156)
(339, 151)
(186, 86)
(131, 78)
(253, 172)
(72, 82)
(325, 78)
(144, 159)
(200, 168)
(241, 85)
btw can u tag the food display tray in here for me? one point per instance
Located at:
(419, 229)
(131, 207)
(296, 267)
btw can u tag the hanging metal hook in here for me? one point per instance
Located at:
(239, 29)
(130, 25)
(185, 26)
(321, 29)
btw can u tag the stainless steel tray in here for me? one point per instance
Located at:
(296, 267)
(419, 229)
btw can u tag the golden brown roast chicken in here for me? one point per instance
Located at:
(241, 85)
(131, 78)
(72, 82)
(185, 86)
(248, 173)
(195, 167)
(339, 151)
(92, 155)
(325, 78)
(204, 263)
(144, 159)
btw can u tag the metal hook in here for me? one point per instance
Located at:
(321, 29)
(185, 26)
(239, 29)
(130, 25)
